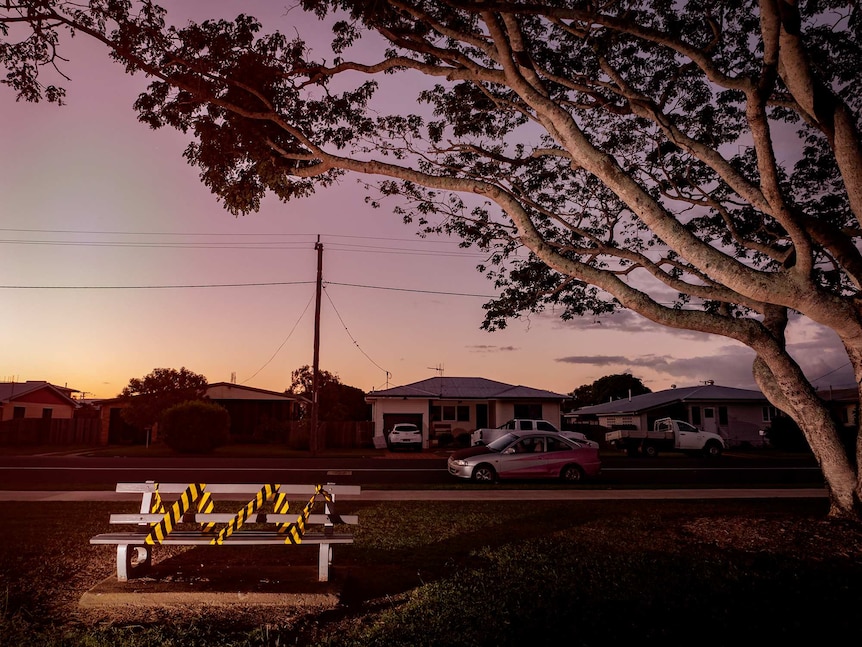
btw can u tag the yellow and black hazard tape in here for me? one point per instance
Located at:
(296, 530)
(265, 494)
(156, 504)
(281, 506)
(163, 528)
(196, 493)
(206, 505)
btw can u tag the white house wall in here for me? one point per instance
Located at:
(499, 412)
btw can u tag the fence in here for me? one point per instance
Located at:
(333, 435)
(85, 431)
(61, 431)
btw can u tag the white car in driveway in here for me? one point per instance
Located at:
(405, 435)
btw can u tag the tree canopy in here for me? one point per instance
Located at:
(699, 163)
(607, 388)
(338, 401)
(148, 397)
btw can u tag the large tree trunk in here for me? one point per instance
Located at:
(786, 387)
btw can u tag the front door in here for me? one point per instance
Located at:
(710, 422)
(481, 416)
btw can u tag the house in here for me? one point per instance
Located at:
(446, 407)
(36, 399)
(254, 413)
(738, 415)
(41, 413)
(844, 406)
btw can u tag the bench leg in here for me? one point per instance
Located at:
(323, 560)
(143, 560)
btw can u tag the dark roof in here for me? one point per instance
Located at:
(839, 395)
(647, 401)
(248, 392)
(12, 390)
(465, 388)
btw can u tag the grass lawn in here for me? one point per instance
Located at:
(481, 573)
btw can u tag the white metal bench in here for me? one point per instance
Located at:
(174, 514)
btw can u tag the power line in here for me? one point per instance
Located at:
(278, 350)
(380, 287)
(151, 287)
(179, 233)
(237, 285)
(355, 343)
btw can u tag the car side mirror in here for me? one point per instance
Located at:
(509, 450)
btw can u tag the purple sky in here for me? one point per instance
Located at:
(93, 200)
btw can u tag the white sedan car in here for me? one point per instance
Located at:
(524, 455)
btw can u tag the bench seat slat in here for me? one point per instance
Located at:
(245, 537)
(219, 517)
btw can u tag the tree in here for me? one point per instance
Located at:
(148, 397)
(696, 162)
(338, 401)
(609, 387)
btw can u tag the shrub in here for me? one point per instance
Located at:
(195, 427)
(444, 439)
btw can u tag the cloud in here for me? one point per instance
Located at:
(728, 366)
(490, 348)
(625, 321)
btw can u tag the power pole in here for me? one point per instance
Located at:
(314, 440)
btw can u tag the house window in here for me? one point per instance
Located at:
(768, 413)
(18, 412)
(722, 416)
(533, 411)
(695, 416)
(47, 413)
(450, 413)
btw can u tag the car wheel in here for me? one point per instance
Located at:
(484, 474)
(572, 474)
(712, 450)
(650, 450)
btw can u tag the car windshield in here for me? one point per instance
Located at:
(502, 442)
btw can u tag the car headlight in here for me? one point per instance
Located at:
(459, 462)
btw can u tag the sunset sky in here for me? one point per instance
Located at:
(115, 260)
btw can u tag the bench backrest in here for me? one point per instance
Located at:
(226, 489)
(195, 503)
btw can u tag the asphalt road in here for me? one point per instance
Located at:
(65, 472)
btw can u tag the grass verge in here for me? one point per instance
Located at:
(479, 573)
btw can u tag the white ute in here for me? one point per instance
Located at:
(489, 434)
(666, 435)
